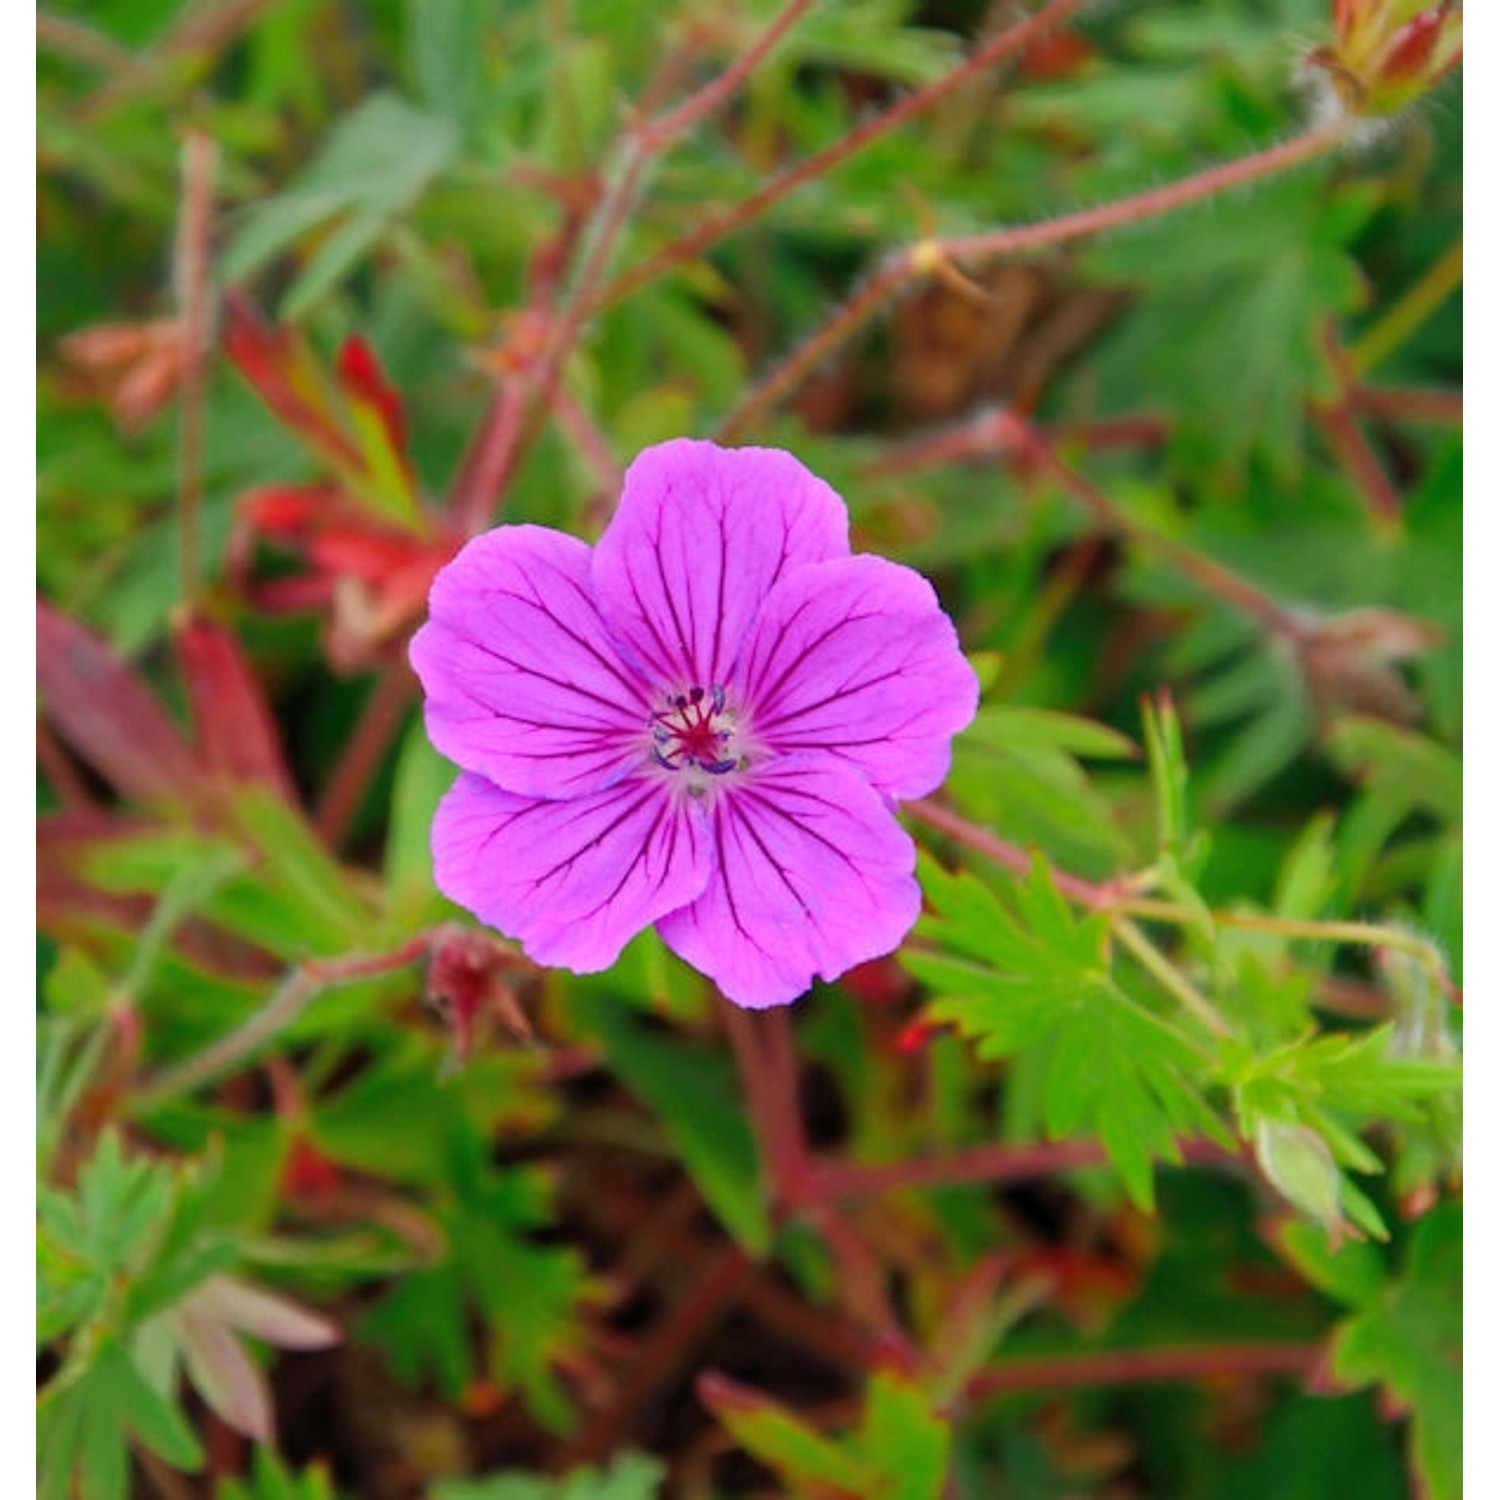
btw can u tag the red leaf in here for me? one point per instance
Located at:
(279, 371)
(235, 731)
(101, 707)
(364, 381)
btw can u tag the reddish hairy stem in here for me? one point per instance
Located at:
(643, 143)
(1052, 1372)
(1442, 407)
(788, 1141)
(668, 128)
(792, 371)
(725, 223)
(1209, 575)
(714, 1291)
(1353, 451)
(930, 255)
(763, 1053)
(763, 1050)
(1350, 446)
(995, 431)
(489, 463)
(195, 298)
(512, 424)
(1000, 1162)
(1097, 896)
(1148, 205)
(378, 723)
(822, 1332)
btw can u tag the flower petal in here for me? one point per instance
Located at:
(524, 683)
(814, 876)
(701, 535)
(571, 881)
(856, 657)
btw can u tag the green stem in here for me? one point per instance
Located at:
(287, 1002)
(1169, 976)
(1409, 311)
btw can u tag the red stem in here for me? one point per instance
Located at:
(1350, 446)
(194, 294)
(1000, 1162)
(763, 1053)
(489, 464)
(1209, 575)
(1353, 451)
(1097, 896)
(378, 724)
(1416, 406)
(1053, 1372)
(1148, 205)
(714, 1291)
(719, 226)
(931, 255)
(666, 129)
(516, 417)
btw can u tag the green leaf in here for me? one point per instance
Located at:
(445, 50)
(1024, 973)
(631, 1476)
(1018, 770)
(904, 1440)
(374, 165)
(1236, 296)
(85, 1426)
(1400, 766)
(270, 1479)
(1351, 1272)
(422, 777)
(1408, 1340)
(802, 1456)
(899, 1451)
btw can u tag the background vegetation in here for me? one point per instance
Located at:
(1136, 1172)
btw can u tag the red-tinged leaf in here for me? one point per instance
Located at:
(226, 1377)
(288, 511)
(263, 1315)
(363, 553)
(236, 733)
(68, 907)
(281, 373)
(100, 705)
(308, 1172)
(364, 381)
(403, 593)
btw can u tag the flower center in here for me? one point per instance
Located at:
(695, 731)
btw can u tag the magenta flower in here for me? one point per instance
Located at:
(703, 723)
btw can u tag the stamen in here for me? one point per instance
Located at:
(695, 732)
